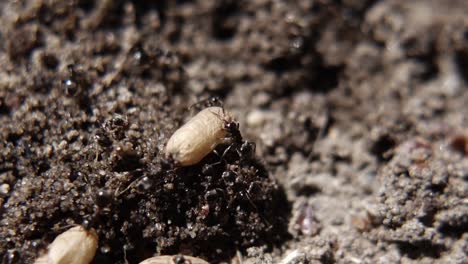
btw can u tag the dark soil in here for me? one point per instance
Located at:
(358, 110)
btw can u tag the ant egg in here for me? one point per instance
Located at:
(176, 259)
(74, 246)
(199, 136)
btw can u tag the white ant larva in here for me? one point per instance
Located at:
(173, 260)
(74, 246)
(199, 136)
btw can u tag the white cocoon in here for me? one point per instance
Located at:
(74, 246)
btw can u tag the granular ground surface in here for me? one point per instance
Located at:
(358, 110)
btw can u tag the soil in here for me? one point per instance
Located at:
(358, 110)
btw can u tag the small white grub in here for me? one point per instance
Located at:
(74, 246)
(166, 259)
(199, 136)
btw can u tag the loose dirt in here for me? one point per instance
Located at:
(358, 110)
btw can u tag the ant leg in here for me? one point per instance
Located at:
(225, 152)
(209, 167)
(209, 102)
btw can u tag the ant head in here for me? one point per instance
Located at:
(103, 198)
(87, 223)
(232, 129)
(231, 126)
(179, 259)
(247, 150)
(215, 101)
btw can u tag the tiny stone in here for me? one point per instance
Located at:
(256, 118)
(4, 189)
(72, 135)
(62, 145)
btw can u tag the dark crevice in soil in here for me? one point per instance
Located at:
(307, 190)
(224, 22)
(420, 249)
(327, 79)
(382, 146)
(144, 7)
(455, 231)
(461, 58)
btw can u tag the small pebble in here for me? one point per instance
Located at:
(258, 118)
(4, 189)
